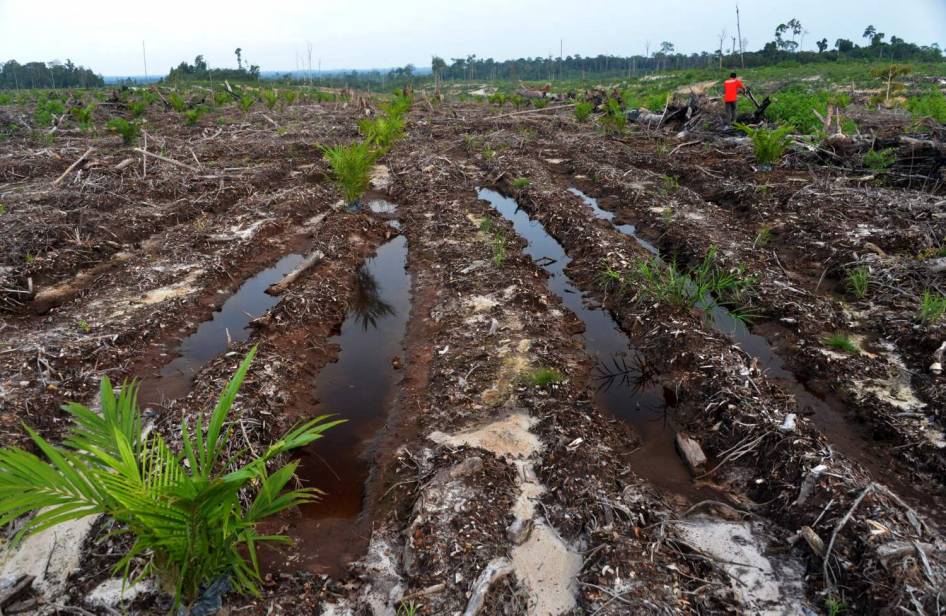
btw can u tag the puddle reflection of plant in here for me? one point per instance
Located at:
(368, 306)
(637, 374)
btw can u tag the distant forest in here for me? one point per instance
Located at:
(14, 75)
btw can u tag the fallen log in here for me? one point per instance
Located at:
(47, 299)
(516, 113)
(281, 286)
(167, 160)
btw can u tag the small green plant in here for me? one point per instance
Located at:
(543, 377)
(768, 145)
(880, 160)
(137, 108)
(289, 96)
(835, 607)
(613, 121)
(382, 131)
(221, 98)
(497, 98)
(351, 167)
(3, 209)
(670, 184)
(496, 238)
(666, 215)
(177, 102)
(583, 111)
(540, 103)
(83, 115)
(246, 101)
(128, 130)
(192, 116)
(191, 515)
(408, 608)
(929, 105)
(857, 281)
(399, 105)
(488, 152)
(841, 342)
(47, 110)
(519, 101)
(932, 307)
(270, 97)
(763, 238)
(611, 280)
(521, 183)
(84, 326)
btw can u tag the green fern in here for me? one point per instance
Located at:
(183, 510)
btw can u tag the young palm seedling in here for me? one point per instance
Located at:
(289, 97)
(270, 97)
(177, 102)
(246, 101)
(583, 111)
(768, 145)
(83, 115)
(351, 168)
(192, 116)
(382, 131)
(191, 514)
(613, 121)
(128, 130)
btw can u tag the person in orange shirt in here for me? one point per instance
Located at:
(731, 89)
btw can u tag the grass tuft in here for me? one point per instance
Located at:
(841, 342)
(932, 307)
(857, 281)
(543, 377)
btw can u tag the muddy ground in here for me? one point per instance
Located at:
(468, 484)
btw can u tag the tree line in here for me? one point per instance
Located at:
(55, 74)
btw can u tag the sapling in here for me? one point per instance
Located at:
(270, 97)
(351, 167)
(583, 111)
(128, 130)
(246, 101)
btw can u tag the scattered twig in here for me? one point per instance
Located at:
(73, 166)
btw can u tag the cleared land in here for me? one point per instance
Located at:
(533, 440)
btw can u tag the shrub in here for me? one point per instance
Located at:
(794, 107)
(932, 306)
(841, 342)
(857, 281)
(768, 145)
(351, 167)
(177, 102)
(184, 511)
(583, 111)
(128, 130)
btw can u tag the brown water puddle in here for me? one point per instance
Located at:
(228, 324)
(623, 387)
(358, 387)
(827, 409)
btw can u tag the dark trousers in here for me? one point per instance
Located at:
(730, 113)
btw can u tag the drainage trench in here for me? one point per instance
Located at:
(622, 389)
(213, 337)
(357, 387)
(827, 410)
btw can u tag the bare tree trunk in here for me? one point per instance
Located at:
(742, 53)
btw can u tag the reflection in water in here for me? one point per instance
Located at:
(637, 375)
(368, 306)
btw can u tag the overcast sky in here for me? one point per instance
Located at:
(106, 35)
